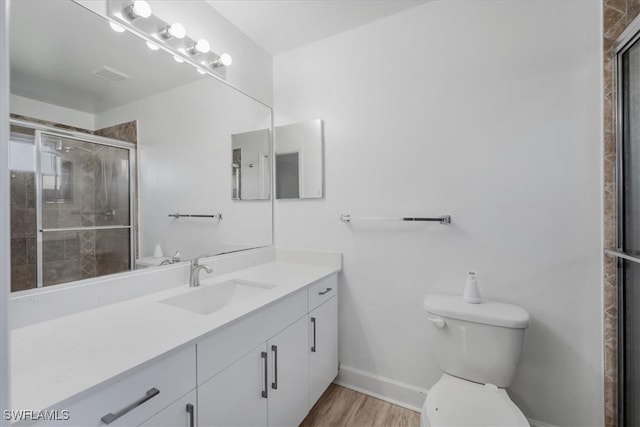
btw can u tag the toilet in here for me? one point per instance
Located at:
(477, 346)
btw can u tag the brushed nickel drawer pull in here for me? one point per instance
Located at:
(325, 291)
(109, 418)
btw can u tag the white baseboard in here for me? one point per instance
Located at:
(387, 389)
(392, 391)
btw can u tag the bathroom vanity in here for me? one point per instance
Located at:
(256, 344)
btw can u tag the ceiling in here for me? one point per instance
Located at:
(58, 70)
(282, 25)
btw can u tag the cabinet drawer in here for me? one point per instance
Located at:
(230, 344)
(323, 290)
(171, 378)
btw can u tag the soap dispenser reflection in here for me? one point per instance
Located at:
(471, 292)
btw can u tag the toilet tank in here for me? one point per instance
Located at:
(477, 342)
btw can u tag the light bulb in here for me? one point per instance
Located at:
(141, 8)
(178, 59)
(223, 60)
(115, 27)
(174, 30)
(152, 46)
(201, 46)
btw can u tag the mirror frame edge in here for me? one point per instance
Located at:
(5, 258)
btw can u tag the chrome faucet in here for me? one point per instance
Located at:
(175, 258)
(194, 278)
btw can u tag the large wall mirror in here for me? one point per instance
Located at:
(109, 139)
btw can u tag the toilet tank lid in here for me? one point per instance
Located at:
(487, 312)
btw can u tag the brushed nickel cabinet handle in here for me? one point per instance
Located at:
(266, 381)
(192, 422)
(274, 384)
(313, 347)
(325, 291)
(110, 417)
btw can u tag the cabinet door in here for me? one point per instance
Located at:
(178, 414)
(323, 348)
(289, 380)
(237, 395)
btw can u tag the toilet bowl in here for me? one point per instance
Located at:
(477, 346)
(454, 402)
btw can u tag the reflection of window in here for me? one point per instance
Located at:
(57, 179)
(56, 173)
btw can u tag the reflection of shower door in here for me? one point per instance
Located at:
(628, 196)
(83, 211)
(71, 205)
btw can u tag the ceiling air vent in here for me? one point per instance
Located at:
(109, 74)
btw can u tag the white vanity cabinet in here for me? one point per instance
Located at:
(136, 398)
(235, 395)
(323, 338)
(266, 368)
(181, 413)
(288, 375)
(268, 384)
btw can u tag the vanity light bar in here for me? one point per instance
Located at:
(136, 17)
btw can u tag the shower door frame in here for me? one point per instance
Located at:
(131, 148)
(627, 39)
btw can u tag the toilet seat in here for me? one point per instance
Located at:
(454, 402)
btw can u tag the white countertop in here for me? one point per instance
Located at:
(60, 361)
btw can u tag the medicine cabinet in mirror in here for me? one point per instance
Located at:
(112, 143)
(299, 160)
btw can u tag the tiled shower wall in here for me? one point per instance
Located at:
(618, 14)
(67, 256)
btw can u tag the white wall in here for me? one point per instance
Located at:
(489, 111)
(184, 150)
(50, 112)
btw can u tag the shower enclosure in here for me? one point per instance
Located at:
(628, 214)
(71, 205)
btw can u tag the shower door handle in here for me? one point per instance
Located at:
(620, 254)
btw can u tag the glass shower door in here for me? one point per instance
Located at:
(628, 196)
(84, 213)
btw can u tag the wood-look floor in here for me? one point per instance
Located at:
(341, 406)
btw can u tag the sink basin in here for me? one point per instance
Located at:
(211, 298)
